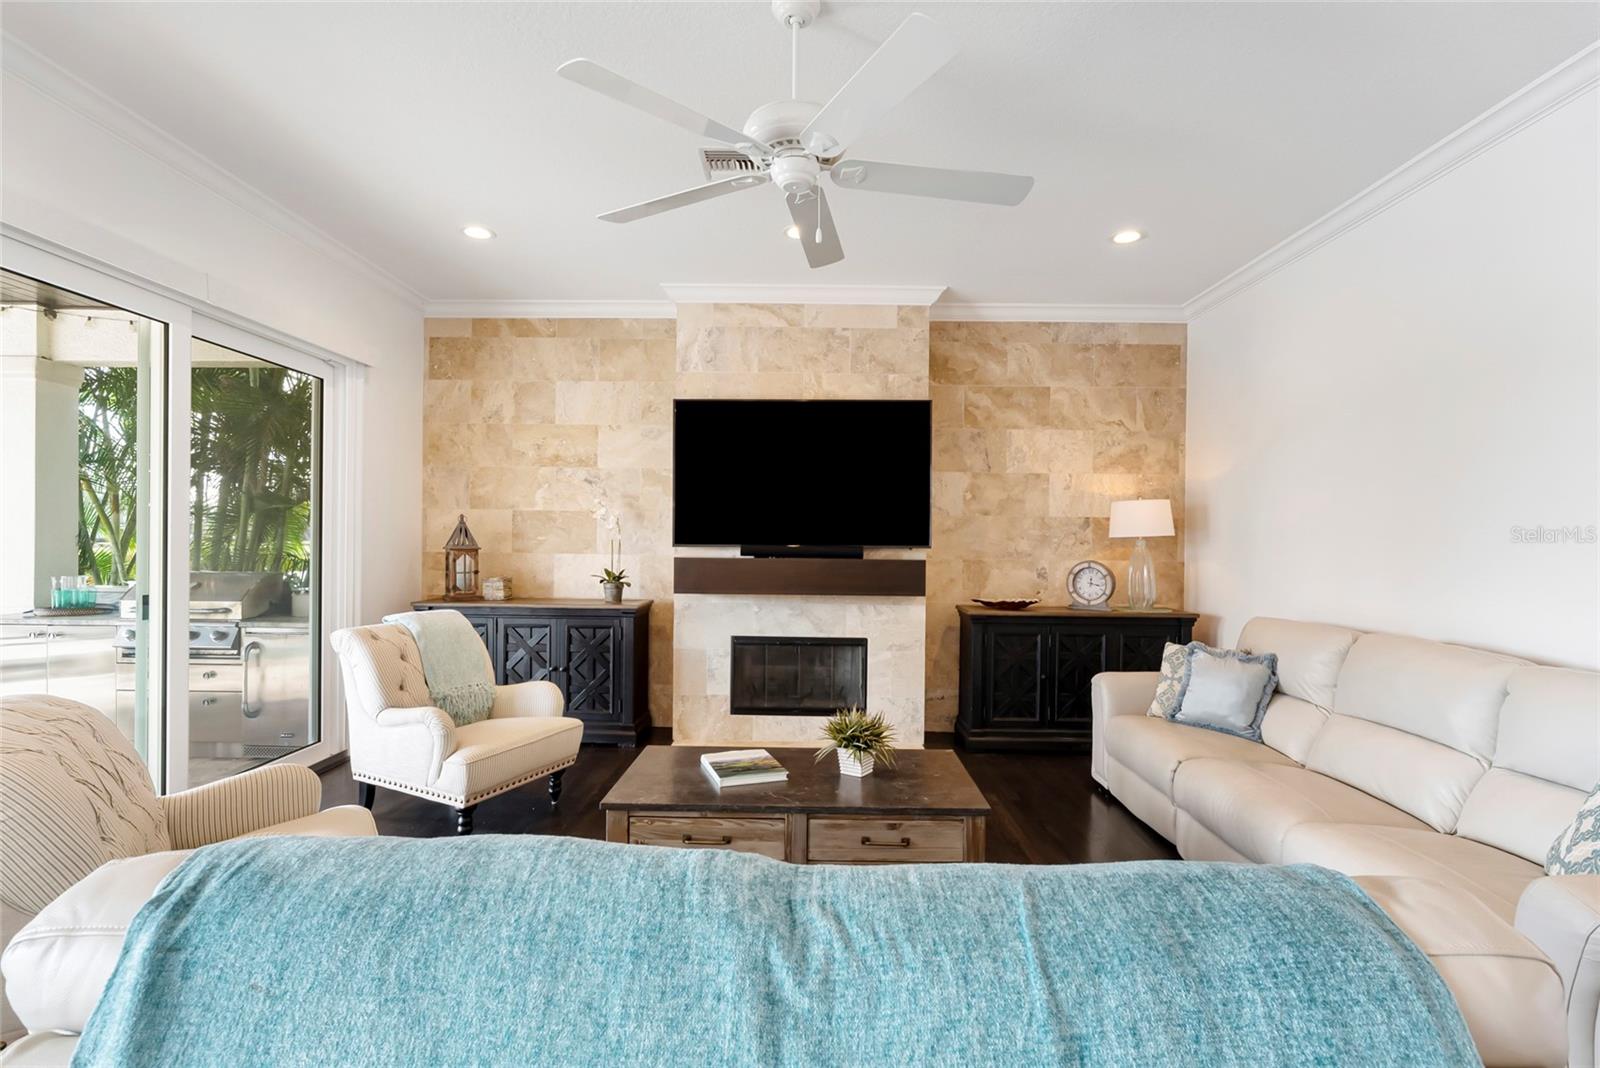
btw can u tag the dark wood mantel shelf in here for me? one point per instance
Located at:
(759, 575)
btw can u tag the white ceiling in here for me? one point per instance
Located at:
(1219, 129)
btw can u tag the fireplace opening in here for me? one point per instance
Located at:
(797, 676)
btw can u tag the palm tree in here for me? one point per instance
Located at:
(251, 449)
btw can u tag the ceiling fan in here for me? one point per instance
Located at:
(791, 143)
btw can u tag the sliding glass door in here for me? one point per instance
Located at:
(255, 454)
(162, 559)
(82, 485)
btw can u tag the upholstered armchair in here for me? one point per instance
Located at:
(400, 741)
(75, 795)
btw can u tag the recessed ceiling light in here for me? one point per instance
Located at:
(792, 231)
(1126, 237)
(478, 233)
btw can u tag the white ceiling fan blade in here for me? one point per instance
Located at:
(985, 187)
(709, 191)
(815, 221)
(592, 75)
(904, 61)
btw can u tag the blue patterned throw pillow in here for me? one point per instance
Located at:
(1576, 850)
(1174, 658)
(1226, 690)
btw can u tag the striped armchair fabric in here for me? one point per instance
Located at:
(74, 795)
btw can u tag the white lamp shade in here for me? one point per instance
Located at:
(1141, 519)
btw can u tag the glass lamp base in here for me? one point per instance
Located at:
(1141, 578)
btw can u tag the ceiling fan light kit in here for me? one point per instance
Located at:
(792, 143)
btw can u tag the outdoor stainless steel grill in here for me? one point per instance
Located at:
(250, 666)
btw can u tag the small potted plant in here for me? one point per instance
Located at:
(861, 739)
(613, 578)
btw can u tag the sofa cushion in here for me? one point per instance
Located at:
(1252, 806)
(58, 964)
(1414, 723)
(1309, 654)
(494, 755)
(1508, 991)
(1291, 725)
(1153, 748)
(1226, 690)
(1540, 776)
(1495, 877)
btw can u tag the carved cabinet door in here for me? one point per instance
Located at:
(593, 649)
(1014, 674)
(1078, 655)
(527, 650)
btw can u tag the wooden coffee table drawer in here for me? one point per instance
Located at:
(869, 840)
(743, 834)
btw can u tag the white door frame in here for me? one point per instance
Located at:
(343, 381)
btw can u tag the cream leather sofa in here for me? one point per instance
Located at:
(1436, 774)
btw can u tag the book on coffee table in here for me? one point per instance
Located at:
(742, 767)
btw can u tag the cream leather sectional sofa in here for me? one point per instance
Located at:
(1436, 774)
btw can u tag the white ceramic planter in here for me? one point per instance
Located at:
(851, 764)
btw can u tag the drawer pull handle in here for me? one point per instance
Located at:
(690, 839)
(904, 843)
(208, 702)
(208, 674)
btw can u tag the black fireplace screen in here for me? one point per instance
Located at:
(797, 676)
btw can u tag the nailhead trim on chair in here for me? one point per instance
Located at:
(456, 802)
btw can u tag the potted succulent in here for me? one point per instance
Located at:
(613, 578)
(861, 739)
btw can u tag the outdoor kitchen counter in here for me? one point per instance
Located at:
(109, 617)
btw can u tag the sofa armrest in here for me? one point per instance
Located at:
(240, 804)
(1115, 693)
(539, 698)
(1561, 915)
(1122, 693)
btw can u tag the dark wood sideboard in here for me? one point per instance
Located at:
(598, 653)
(1025, 675)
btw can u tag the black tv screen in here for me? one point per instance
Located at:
(805, 473)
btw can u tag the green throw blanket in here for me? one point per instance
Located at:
(502, 950)
(460, 677)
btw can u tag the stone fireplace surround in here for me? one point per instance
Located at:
(757, 351)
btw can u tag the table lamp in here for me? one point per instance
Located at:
(1140, 520)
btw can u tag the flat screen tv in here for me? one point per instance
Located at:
(771, 475)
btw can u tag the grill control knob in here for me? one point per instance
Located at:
(194, 635)
(219, 635)
(128, 634)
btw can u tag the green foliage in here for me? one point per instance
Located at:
(608, 576)
(252, 451)
(854, 730)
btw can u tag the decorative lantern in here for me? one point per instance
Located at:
(461, 564)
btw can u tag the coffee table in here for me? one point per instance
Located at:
(926, 809)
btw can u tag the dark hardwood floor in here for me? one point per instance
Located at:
(1045, 809)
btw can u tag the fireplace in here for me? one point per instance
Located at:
(775, 676)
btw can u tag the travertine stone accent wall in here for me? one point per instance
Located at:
(531, 423)
(1038, 427)
(782, 351)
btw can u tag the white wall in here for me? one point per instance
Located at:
(70, 179)
(1369, 424)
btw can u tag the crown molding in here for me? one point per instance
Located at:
(714, 293)
(550, 309)
(73, 93)
(1056, 313)
(1526, 106)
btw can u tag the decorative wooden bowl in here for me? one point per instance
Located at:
(1011, 605)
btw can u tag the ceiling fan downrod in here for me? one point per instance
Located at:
(796, 15)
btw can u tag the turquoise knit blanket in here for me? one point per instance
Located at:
(459, 675)
(522, 950)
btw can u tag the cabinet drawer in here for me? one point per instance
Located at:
(228, 677)
(743, 834)
(868, 840)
